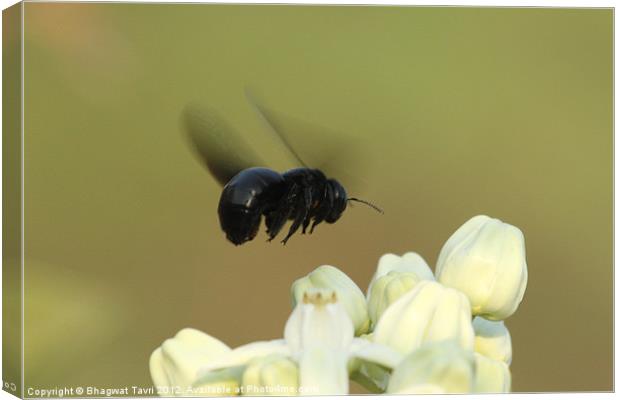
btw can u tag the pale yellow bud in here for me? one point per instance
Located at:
(408, 262)
(492, 340)
(274, 375)
(386, 290)
(491, 376)
(348, 293)
(440, 367)
(429, 312)
(485, 259)
(174, 366)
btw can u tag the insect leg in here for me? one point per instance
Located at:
(276, 218)
(302, 212)
(306, 223)
(328, 202)
(311, 211)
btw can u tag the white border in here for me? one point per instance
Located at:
(432, 3)
(478, 3)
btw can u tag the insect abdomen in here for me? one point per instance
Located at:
(242, 201)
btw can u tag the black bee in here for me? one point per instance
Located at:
(304, 195)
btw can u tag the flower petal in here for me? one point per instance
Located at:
(323, 371)
(243, 354)
(318, 320)
(375, 353)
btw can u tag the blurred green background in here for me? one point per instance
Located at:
(454, 112)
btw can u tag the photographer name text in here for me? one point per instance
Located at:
(92, 391)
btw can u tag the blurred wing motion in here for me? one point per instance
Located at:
(334, 153)
(216, 143)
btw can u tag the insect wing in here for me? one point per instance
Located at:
(219, 147)
(337, 154)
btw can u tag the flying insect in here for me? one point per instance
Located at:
(304, 195)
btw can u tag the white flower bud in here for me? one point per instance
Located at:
(349, 294)
(491, 376)
(429, 312)
(386, 290)
(485, 259)
(441, 367)
(492, 340)
(176, 363)
(273, 375)
(319, 333)
(408, 262)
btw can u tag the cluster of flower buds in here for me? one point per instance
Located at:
(413, 331)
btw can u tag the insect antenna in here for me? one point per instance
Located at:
(369, 204)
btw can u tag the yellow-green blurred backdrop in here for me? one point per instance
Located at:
(455, 112)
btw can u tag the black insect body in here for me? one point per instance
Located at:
(303, 195)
